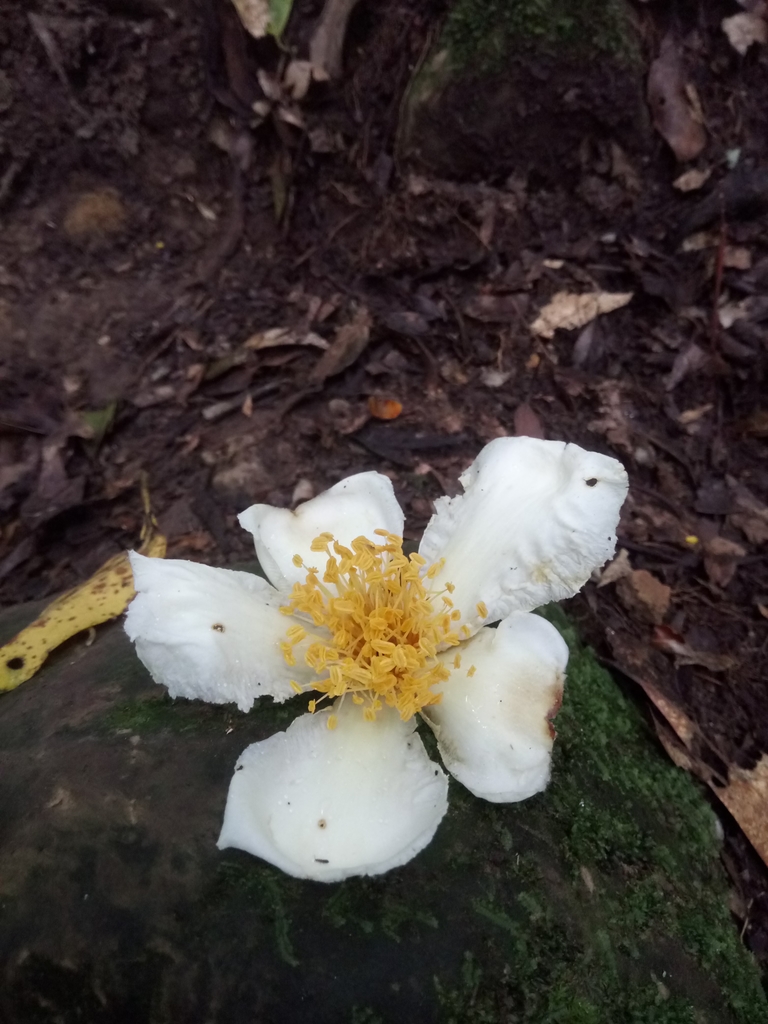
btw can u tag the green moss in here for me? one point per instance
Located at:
(485, 32)
(600, 900)
(269, 890)
(162, 713)
(369, 908)
(617, 910)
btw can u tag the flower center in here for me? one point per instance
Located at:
(385, 626)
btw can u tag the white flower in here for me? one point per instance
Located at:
(348, 789)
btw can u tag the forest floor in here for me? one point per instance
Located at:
(247, 313)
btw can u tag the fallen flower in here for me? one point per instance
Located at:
(378, 637)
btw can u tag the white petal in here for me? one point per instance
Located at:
(327, 804)
(537, 517)
(210, 634)
(353, 507)
(493, 728)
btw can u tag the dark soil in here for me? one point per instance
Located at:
(149, 230)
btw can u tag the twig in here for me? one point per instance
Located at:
(43, 33)
(321, 246)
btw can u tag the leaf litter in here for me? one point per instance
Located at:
(450, 270)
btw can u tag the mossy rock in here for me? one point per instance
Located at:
(600, 901)
(517, 86)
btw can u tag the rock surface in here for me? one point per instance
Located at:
(601, 900)
(513, 87)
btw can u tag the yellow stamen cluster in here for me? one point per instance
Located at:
(384, 626)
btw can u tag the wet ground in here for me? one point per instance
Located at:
(250, 312)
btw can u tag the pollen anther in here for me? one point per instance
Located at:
(385, 625)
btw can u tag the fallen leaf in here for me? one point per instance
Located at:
(738, 257)
(746, 797)
(750, 515)
(644, 595)
(615, 420)
(689, 416)
(326, 46)
(264, 17)
(616, 570)
(568, 310)
(588, 345)
(494, 308)
(303, 490)
(623, 170)
(384, 408)
(666, 639)
(254, 15)
(55, 491)
(745, 29)
(102, 597)
(297, 78)
(98, 422)
(757, 424)
(700, 240)
(745, 794)
(691, 180)
(276, 336)
(688, 360)
(673, 115)
(733, 311)
(347, 346)
(347, 418)
(493, 378)
(681, 724)
(721, 559)
(527, 422)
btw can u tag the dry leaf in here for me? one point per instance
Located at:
(384, 408)
(495, 308)
(673, 114)
(327, 43)
(733, 311)
(104, 596)
(297, 78)
(689, 181)
(615, 422)
(569, 311)
(689, 360)
(746, 793)
(690, 416)
(738, 257)
(254, 15)
(721, 559)
(347, 346)
(745, 29)
(527, 422)
(643, 595)
(700, 240)
(616, 569)
(284, 336)
(666, 639)
(750, 515)
(623, 170)
(746, 797)
(493, 378)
